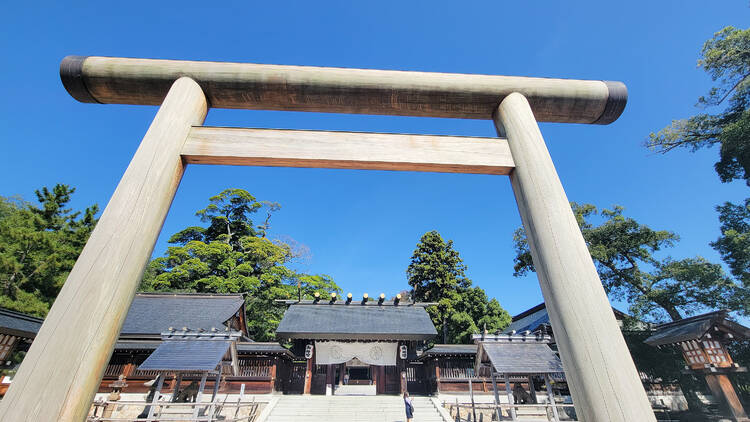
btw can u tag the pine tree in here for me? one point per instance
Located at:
(39, 246)
(233, 255)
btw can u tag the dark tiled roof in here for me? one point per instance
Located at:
(522, 358)
(153, 313)
(137, 345)
(451, 349)
(529, 320)
(530, 311)
(186, 355)
(529, 324)
(262, 348)
(18, 324)
(356, 322)
(532, 319)
(695, 328)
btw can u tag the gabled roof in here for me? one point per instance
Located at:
(186, 355)
(19, 324)
(517, 354)
(243, 348)
(468, 350)
(356, 321)
(521, 358)
(262, 348)
(136, 345)
(152, 313)
(530, 311)
(529, 320)
(694, 328)
(533, 318)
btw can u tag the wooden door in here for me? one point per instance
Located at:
(416, 379)
(295, 382)
(392, 380)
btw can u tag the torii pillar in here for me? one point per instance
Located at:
(598, 367)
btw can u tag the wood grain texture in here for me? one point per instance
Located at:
(336, 90)
(63, 368)
(598, 367)
(346, 150)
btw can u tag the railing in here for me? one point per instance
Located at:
(247, 368)
(470, 410)
(167, 411)
(456, 373)
(146, 374)
(255, 368)
(114, 370)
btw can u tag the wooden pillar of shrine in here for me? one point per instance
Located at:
(437, 375)
(329, 380)
(128, 369)
(723, 391)
(309, 373)
(274, 365)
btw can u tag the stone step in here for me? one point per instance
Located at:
(351, 409)
(400, 418)
(348, 416)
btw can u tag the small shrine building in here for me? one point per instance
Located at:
(360, 346)
(703, 340)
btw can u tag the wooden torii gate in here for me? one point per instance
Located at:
(63, 367)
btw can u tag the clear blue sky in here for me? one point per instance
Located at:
(362, 226)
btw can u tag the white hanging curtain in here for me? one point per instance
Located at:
(371, 353)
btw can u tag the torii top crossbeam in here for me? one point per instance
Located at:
(112, 80)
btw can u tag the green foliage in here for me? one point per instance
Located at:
(739, 350)
(726, 58)
(232, 255)
(38, 247)
(658, 364)
(623, 251)
(437, 274)
(734, 247)
(734, 242)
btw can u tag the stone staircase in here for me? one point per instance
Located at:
(351, 409)
(355, 390)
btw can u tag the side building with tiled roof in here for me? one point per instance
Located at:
(152, 314)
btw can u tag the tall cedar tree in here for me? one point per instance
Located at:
(623, 251)
(437, 274)
(233, 255)
(39, 245)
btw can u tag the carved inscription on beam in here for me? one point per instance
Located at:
(347, 150)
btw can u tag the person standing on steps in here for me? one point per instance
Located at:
(409, 407)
